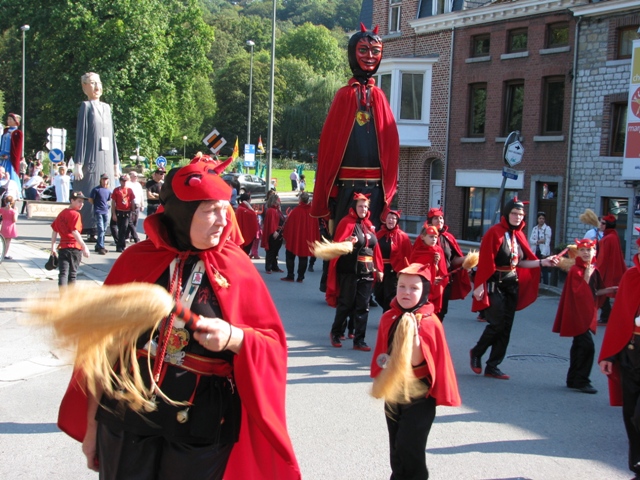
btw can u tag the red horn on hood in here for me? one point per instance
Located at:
(362, 27)
(375, 29)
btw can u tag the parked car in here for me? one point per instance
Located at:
(171, 152)
(248, 183)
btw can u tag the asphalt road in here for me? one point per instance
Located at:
(529, 427)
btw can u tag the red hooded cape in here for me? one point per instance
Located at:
(528, 278)
(577, 310)
(264, 450)
(621, 325)
(343, 231)
(460, 281)
(300, 229)
(333, 142)
(248, 223)
(611, 262)
(271, 223)
(400, 246)
(442, 376)
(425, 254)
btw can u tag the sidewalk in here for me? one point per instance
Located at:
(27, 264)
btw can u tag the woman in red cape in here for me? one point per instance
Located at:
(300, 230)
(506, 281)
(247, 338)
(610, 263)
(272, 233)
(248, 223)
(434, 258)
(620, 356)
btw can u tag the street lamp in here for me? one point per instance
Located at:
(24, 28)
(184, 147)
(251, 44)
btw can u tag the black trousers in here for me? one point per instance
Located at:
(605, 310)
(446, 295)
(385, 291)
(581, 360)
(122, 219)
(132, 232)
(409, 427)
(630, 377)
(499, 315)
(68, 263)
(291, 262)
(271, 257)
(152, 208)
(124, 455)
(355, 291)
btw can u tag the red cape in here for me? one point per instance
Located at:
(343, 231)
(300, 229)
(271, 224)
(528, 278)
(460, 281)
(248, 223)
(610, 259)
(333, 142)
(442, 375)
(400, 246)
(424, 254)
(577, 310)
(621, 325)
(264, 450)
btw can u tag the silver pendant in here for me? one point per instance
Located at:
(183, 415)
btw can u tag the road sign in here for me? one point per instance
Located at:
(249, 156)
(56, 155)
(214, 141)
(513, 150)
(509, 173)
(161, 162)
(56, 138)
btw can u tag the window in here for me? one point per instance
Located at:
(553, 104)
(480, 211)
(618, 129)
(394, 15)
(557, 35)
(477, 109)
(411, 96)
(384, 82)
(514, 104)
(517, 41)
(626, 36)
(480, 45)
(435, 7)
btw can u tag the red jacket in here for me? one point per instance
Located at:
(300, 229)
(400, 246)
(333, 142)
(439, 368)
(264, 450)
(272, 222)
(528, 278)
(460, 282)
(610, 259)
(248, 223)
(621, 325)
(577, 310)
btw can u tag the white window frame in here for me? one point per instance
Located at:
(447, 7)
(413, 133)
(395, 13)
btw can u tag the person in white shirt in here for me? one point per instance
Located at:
(138, 194)
(540, 240)
(8, 186)
(62, 184)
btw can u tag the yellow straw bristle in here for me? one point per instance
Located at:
(470, 260)
(326, 250)
(590, 218)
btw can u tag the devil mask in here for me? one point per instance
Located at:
(365, 53)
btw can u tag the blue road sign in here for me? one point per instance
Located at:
(161, 162)
(56, 155)
(509, 173)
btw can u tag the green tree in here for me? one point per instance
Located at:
(149, 54)
(317, 45)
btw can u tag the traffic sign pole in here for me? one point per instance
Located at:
(512, 154)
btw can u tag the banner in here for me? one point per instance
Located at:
(631, 161)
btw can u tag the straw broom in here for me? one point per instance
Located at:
(590, 218)
(397, 384)
(103, 324)
(469, 262)
(326, 250)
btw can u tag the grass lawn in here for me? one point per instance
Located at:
(283, 184)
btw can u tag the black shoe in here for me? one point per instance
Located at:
(363, 347)
(476, 363)
(91, 239)
(323, 288)
(335, 340)
(586, 389)
(602, 323)
(372, 303)
(310, 269)
(102, 251)
(495, 373)
(119, 250)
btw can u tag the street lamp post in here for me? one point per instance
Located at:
(184, 147)
(24, 29)
(251, 44)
